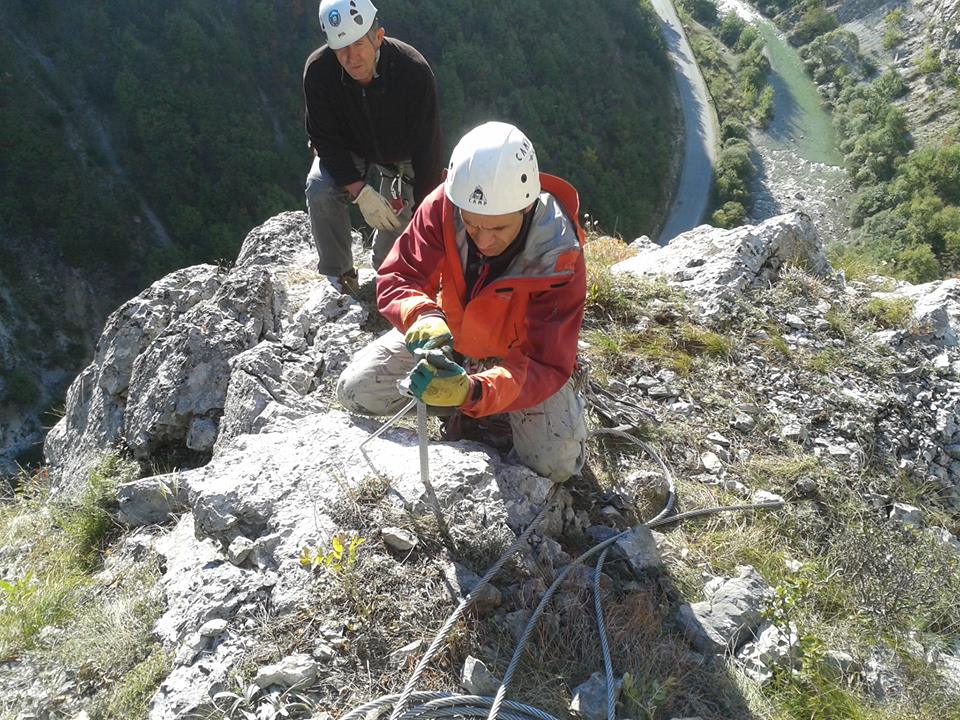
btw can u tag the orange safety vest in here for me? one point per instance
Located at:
(527, 320)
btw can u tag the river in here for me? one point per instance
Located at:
(798, 164)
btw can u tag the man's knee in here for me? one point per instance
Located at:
(551, 437)
(320, 192)
(352, 390)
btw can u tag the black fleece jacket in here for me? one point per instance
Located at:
(392, 119)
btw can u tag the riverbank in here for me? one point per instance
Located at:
(798, 164)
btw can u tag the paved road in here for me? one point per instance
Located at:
(700, 123)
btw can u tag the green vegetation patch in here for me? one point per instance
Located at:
(890, 313)
(64, 546)
(893, 33)
(130, 697)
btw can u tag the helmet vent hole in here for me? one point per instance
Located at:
(523, 178)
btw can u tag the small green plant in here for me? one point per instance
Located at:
(250, 702)
(642, 699)
(339, 559)
(32, 602)
(600, 253)
(890, 313)
(87, 522)
(841, 322)
(825, 361)
(775, 340)
(929, 61)
(857, 264)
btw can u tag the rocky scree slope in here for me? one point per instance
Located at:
(928, 26)
(233, 370)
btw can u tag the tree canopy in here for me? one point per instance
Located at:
(194, 109)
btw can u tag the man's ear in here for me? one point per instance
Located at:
(378, 38)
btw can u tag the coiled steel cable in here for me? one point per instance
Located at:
(425, 705)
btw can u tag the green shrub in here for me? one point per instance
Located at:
(703, 11)
(917, 264)
(890, 312)
(867, 201)
(732, 128)
(729, 215)
(730, 29)
(31, 602)
(893, 33)
(130, 698)
(88, 521)
(817, 20)
(929, 61)
(748, 38)
(64, 547)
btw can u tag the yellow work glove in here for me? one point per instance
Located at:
(437, 380)
(430, 329)
(376, 210)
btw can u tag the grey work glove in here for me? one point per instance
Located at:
(376, 210)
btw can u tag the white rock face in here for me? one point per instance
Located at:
(271, 492)
(936, 309)
(96, 401)
(711, 264)
(200, 355)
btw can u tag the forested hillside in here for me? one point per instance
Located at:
(200, 106)
(895, 111)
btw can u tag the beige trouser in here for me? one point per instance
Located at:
(549, 438)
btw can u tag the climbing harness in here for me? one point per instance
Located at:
(412, 704)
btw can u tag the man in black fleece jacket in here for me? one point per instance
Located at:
(371, 109)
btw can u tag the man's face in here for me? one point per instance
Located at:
(359, 59)
(492, 234)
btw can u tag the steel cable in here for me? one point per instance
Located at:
(425, 705)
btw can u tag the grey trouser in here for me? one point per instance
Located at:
(549, 438)
(329, 207)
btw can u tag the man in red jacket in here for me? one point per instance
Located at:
(492, 265)
(371, 111)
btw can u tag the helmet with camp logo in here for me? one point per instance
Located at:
(493, 171)
(346, 21)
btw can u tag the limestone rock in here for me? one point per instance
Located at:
(772, 648)
(299, 671)
(728, 615)
(461, 581)
(712, 265)
(96, 402)
(399, 539)
(476, 679)
(639, 548)
(590, 697)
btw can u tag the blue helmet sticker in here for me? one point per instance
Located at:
(334, 17)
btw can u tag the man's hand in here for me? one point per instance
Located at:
(439, 381)
(376, 210)
(430, 329)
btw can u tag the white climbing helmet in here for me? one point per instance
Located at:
(346, 21)
(493, 171)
